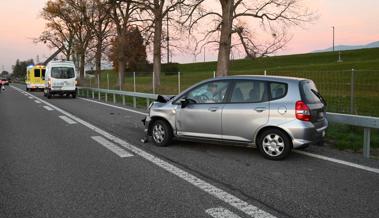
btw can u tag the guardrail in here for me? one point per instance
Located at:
(366, 122)
(91, 92)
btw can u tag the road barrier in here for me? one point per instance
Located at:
(366, 122)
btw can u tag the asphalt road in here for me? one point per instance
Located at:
(52, 165)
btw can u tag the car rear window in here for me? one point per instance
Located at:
(62, 72)
(278, 90)
(308, 92)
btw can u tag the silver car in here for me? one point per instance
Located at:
(272, 113)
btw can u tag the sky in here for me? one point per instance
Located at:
(356, 22)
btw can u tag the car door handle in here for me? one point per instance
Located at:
(260, 109)
(213, 109)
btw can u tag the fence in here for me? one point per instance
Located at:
(349, 92)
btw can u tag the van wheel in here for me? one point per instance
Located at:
(73, 95)
(273, 144)
(161, 133)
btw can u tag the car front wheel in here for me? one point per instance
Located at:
(161, 133)
(274, 144)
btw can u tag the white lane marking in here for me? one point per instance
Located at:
(370, 169)
(112, 147)
(221, 212)
(67, 120)
(362, 167)
(114, 106)
(36, 101)
(222, 195)
(30, 97)
(48, 108)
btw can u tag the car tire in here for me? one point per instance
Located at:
(161, 133)
(73, 95)
(274, 144)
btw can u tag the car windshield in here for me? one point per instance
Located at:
(62, 72)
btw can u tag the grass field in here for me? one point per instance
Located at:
(332, 78)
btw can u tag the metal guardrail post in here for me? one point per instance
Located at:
(352, 90)
(134, 89)
(98, 86)
(114, 98)
(123, 99)
(147, 102)
(366, 142)
(93, 94)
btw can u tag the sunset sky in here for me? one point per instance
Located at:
(356, 22)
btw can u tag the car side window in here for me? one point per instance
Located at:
(278, 90)
(208, 93)
(248, 91)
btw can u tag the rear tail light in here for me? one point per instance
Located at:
(302, 111)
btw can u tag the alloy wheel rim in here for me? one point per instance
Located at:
(273, 145)
(158, 133)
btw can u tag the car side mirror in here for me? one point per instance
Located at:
(183, 102)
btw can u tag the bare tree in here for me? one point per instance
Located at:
(268, 14)
(101, 26)
(123, 14)
(68, 19)
(153, 14)
(58, 33)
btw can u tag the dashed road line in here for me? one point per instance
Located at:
(112, 147)
(212, 190)
(67, 120)
(38, 102)
(221, 212)
(48, 108)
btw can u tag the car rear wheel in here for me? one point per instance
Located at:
(274, 144)
(161, 133)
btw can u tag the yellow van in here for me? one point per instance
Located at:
(35, 77)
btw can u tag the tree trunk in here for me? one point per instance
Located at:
(157, 50)
(98, 57)
(82, 63)
(223, 60)
(121, 59)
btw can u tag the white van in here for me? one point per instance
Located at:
(60, 78)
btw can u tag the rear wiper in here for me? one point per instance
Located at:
(319, 96)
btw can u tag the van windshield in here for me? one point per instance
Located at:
(310, 93)
(62, 72)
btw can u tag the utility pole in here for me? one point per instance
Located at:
(168, 40)
(333, 38)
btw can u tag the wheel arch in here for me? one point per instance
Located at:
(260, 131)
(155, 118)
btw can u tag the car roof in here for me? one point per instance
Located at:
(286, 79)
